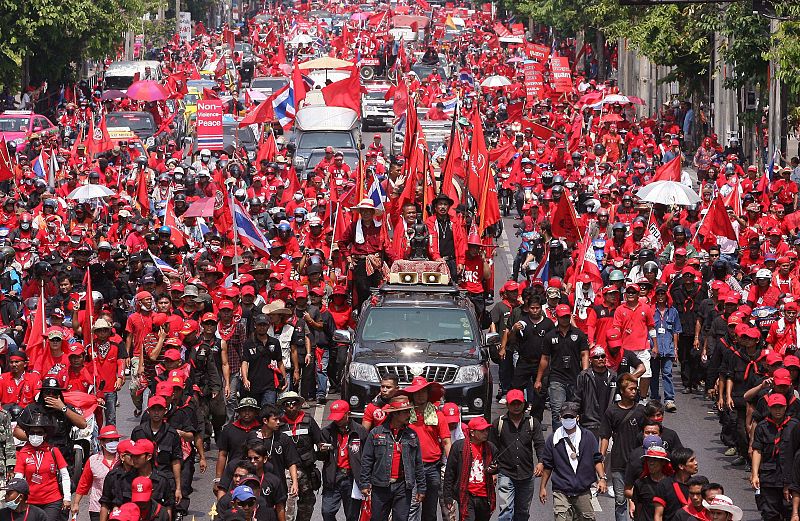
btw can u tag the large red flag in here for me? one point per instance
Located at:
(223, 218)
(300, 88)
(478, 158)
(6, 165)
(564, 222)
(35, 335)
(209, 94)
(221, 68)
(142, 196)
(453, 166)
(280, 59)
(734, 200)
(268, 148)
(717, 222)
(669, 171)
(98, 140)
(344, 93)
(488, 211)
(261, 113)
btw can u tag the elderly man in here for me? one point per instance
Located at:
(721, 508)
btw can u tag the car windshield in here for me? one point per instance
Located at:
(418, 324)
(14, 124)
(134, 121)
(118, 82)
(245, 135)
(350, 158)
(311, 140)
(268, 83)
(376, 95)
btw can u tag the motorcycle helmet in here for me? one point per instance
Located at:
(165, 230)
(650, 267)
(300, 214)
(615, 276)
(618, 226)
(547, 178)
(25, 221)
(558, 180)
(284, 230)
(599, 150)
(645, 255)
(576, 158)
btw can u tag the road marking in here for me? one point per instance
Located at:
(506, 244)
(318, 411)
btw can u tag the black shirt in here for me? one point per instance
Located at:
(530, 341)
(166, 440)
(233, 437)
(33, 513)
(745, 370)
(516, 445)
(499, 316)
(672, 495)
(258, 356)
(624, 425)
(565, 353)
(447, 246)
(770, 439)
(629, 363)
(643, 491)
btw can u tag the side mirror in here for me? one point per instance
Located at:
(361, 146)
(342, 336)
(491, 339)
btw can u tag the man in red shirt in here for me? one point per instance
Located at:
(373, 413)
(343, 440)
(18, 386)
(785, 190)
(467, 479)
(635, 321)
(782, 336)
(139, 325)
(434, 437)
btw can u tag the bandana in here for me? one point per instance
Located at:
(429, 416)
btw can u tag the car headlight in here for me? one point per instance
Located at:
(364, 372)
(469, 374)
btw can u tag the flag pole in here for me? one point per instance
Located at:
(235, 235)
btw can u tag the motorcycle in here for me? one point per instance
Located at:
(526, 252)
(506, 194)
(764, 317)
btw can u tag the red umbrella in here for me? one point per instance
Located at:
(201, 208)
(147, 90)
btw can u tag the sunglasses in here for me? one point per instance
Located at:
(248, 503)
(599, 357)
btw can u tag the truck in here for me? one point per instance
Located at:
(317, 127)
(419, 324)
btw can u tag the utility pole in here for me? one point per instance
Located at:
(776, 103)
(178, 16)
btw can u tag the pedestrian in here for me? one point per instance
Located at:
(509, 299)
(668, 329)
(16, 504)
(595, 390)
(95, 471)
(656, 467)
(721, 508)
(280, 448)
(565, 353)
(571, 458)
(304, 432)
(433, 432)
(623, 421)
(373, 412)
(262, 364)
(672, 492)
(142, 497)
(469, 475)
(517, 438)
(634, 320)
(391, 465)
(341, 450)
(694, 510)
(233, 436)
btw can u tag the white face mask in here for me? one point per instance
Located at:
(214, 248)
(111, 446)
(36, 440)
(13, 505)
(569, 423)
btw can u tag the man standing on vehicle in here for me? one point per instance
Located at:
(431, 427)
(566, 353)
(518, 439)
(448, 237)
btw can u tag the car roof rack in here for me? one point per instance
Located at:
(445, 289)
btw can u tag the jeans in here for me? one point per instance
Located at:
(478, 509)
(505, 371)
(620, 501)
(270, 396)
(662, 371)
(559, 393)
(233, 399)
(394, 499)
(340, 493)
(433, 482)
(110, 414)
(322, 374)
(514, 498)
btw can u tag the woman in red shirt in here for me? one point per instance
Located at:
(45, 470)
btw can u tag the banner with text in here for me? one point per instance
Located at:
(209, 124)
(562, 76)
(534, 81)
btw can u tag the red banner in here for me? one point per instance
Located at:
(562, 75)
(209, 124)
(538, 53)
(518, 29)
(534, 82)
(487, 8)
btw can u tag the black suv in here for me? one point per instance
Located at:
(419, 330)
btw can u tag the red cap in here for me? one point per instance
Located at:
(189, 327)
(680, 251)
(208, 317)
(790, 306)
(555, 283)
(159, 319)
(155, 401)
(791, 361)
(338, 409)
(318, 291)
(638, 224)
(109, 432)
(141, 489)
(563, 310)
(772, 357)
(478, 423)
(451, 412)
(736, 320)
(172, 354)
(634, 287)
(515, 395)
(143, 446)
(340, 290)
(248, 290)
(717, 285)
(733, 298)
(614, 337)
(232, 291)
(126, 512)
(226, 304)
(75, 349)
(164, 389)
(510, 285)
(782, 376)
(125, 447)
(753, 332)
(776, 399)
(301, 292)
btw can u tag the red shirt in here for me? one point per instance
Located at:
(343, 455)
(109, 366)
(476, 485)
(635, 324)
(397, 456)
(79, 380)
(374, 414)
(472, 280)
(431, 436)
(21, 392)
(138, 325)
(40, 470)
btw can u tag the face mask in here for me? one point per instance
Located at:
(298, 197)
(13, 505)
(214, 248)
(111, 446)
(36, 440)
(25, 226)
(569, 423)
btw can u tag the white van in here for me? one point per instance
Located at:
(120, 75)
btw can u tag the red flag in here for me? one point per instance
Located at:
(261, 113)
(223, 218)
(229, 38)
(564, 223)
(488, 211)
(717, 222)
(344, 93)
(6, 165)
(142, 196)
(268, 148)
(300, 87)
(209, 94)
(98, 140)
(587, 263)
(176, 235)
(669, 171)
(503, 154)
(176, 84)
(478, 158)
(34, 337)
(88, 318)
(734, 200)
(221, 68)
(281, 57)
(453, 166)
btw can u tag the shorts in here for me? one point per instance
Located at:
(644, 356)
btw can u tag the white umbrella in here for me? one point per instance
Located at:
(510, 39)
(301, 39)
(496, 81)
(85, 192)
(669, 193)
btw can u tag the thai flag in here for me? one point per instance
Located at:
(163, 267)
(543, 270)
(40, 165)
(247, 229)
(283, 106)
(376, 193)
(450, 105)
